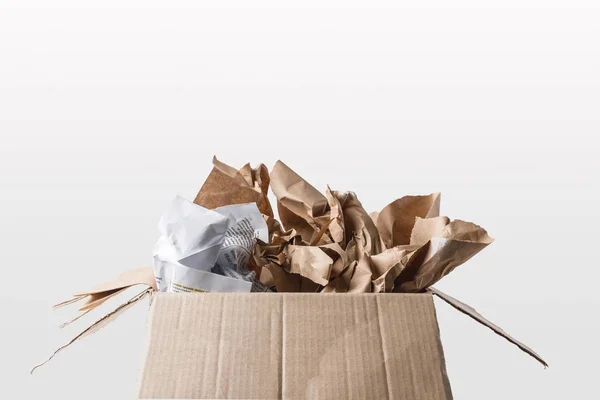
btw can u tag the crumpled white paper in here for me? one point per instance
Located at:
(215, 242)
(241, 236)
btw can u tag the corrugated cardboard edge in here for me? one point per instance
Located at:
(99, 324)
(447, 385)
(471, 312)
(149, 319)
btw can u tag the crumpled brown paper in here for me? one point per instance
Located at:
(455, 244)
(300, 205)
(226, 185)
(329, 242)
(357, 222)
(406, 247)
(396, 220)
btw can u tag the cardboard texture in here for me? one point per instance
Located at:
(278, 346)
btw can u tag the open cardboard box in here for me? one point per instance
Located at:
(368, 330)
(290, 345)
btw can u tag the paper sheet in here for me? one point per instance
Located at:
(405, 247)
(247, 227)
(226, 185)
(187, 280)
(396, 220)
(210, 241)
(190, 235)
(456, 244)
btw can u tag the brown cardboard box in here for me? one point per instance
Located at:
(298, 346)
(358, 321)
(294, 346)
(290, 345)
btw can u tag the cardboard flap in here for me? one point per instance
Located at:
(140, 276)
(99, 324)
(471, 312)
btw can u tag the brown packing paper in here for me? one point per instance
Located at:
(226, 185)
(356, 278)
(395, 222)
(289, 282)
(318, 253)
(310, 262)
(266, 278)
(322, 220)
(435, 247)
(341, 284)
(296, 268)
(358, 222)
(300, 205)
(427, 228)
(289, 219)
(339, 257)
(336, 227)
(361, 276)
(274, 227)
(320, 235)
(388, 265)
(375, 273)
(457, 243)
(466, 232)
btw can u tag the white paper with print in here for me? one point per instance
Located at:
(217, 242)
(190, 235)
(249, 225)
(189, 280)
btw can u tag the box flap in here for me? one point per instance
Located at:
(291, 346)
(471, 312)
(99, 324)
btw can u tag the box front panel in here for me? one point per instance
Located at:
(294, 346)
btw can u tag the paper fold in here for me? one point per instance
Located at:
(226, 185)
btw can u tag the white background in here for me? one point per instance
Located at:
(108, 109)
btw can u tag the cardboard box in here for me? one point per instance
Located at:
(299, 346)
(294, 346)
(353, 315)
(289, 345)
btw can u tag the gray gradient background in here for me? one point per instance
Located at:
(110, 108)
